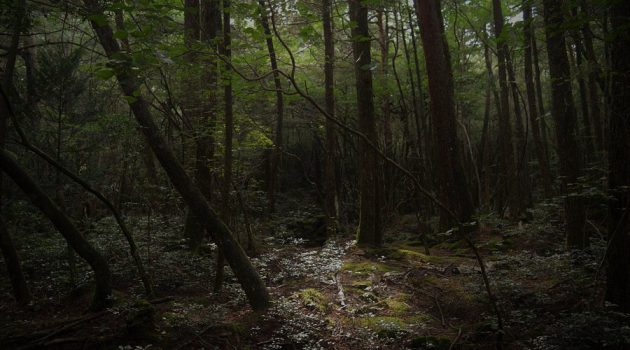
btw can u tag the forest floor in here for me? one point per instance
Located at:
(335, 296)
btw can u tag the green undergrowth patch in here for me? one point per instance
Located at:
(414, 253)
(366, 267)
(313, 299)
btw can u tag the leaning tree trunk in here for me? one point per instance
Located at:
(370, 230)
(453, 189)
(244, 271)
(564, 114)
(618, 273)
(102, 275)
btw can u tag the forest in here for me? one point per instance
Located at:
(298, 174)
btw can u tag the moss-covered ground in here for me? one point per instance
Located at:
(336, 296)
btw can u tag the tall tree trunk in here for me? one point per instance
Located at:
(618, 273)
(228, 100)
(389, 184)
(563, 110)
(421, 117)
(453, 191)
(276, 153)
(102, 275)
(7, 247)
(593, 76)
(331, 190)
(540, 101)
(370, 230)
(244, 271)
(404, 111)
(413, 85)
(193, 113)
(508, 172)
(577, 65)
(543, 161)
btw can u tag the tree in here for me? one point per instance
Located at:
(244, 271)
(541, 155)
(370, 230)
(564, 114)
(331, 189)
(449, 170)
(618, 272)
(508, 163)
(276, 153)
(102, 275)
(7, 247)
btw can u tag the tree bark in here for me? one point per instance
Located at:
(227, 214)
(244, 271)
(452, 186)
(563, 111)
(543, 161)
(370, 229)
(331, 190)
(276, 153)
(7, 247)
(618, 272)
(508, 171)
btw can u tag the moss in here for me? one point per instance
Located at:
(459, 244)
(361, 284)
(366, 267)
(383, 326)
(397, 304)
(313, 299)
(496, 243)
(433, 259)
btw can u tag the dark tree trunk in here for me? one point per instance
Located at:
(370, 230)
(577, 65)
(543, 161)
(331, 190)
(452, 186)
(226, 51)
(413, 85)
(192, 112)
(508, 172)
(246, 274)
(421, 117)
(593, 77)
(618, 284)
(563, 111)
(9, 253)
(102, 275)
(276, 153)
(540, 101)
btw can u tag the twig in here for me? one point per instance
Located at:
(459, 335)
(437, 303)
